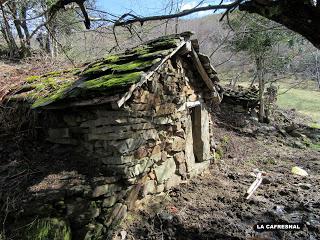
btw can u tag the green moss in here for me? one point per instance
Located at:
(96, 69)
(118, 68)
(48, 229)
(32, 79)
(50, 97)
(219, 153)
(168, 43)
(141, 50)
(217, 156)
(112, 58)
(225, 140)
(113, 71)
(134, 65)
(160, 53)
(315, 125)
(315, 146)
(112, 80)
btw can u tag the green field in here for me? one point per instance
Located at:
(303, 100)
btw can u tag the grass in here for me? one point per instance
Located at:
(303, 100)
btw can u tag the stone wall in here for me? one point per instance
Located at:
(146, 147)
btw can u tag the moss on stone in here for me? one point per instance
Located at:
(111, 81)
(141, 50)
(112, 72)
(48, 228)
(134, 65)
(119, 68)
(112, 58)
(166, 42)
(59, 92)
(160, 53)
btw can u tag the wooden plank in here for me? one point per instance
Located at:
(187, 48)
(202, 71)
(207, 61)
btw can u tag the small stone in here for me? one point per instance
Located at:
(180, 133)
(179, 157)
(109, 202)
(140, 107)
(141, 152)
(156, 150)
(305, 186)
(162, 120)
(151, 175)
(118, 213)
(164, 156)
(156, 157)
(173, 181)
(165, 109)
(182, 169)
(55, 133)
(149, 188)
(160, 188)
(128, 145)
(177, 144)
(166, 170)
(107, 189)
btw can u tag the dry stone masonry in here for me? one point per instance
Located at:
(141, 123)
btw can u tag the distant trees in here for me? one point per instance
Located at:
(24, 20)
(259, 38)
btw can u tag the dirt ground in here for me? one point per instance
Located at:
(213, 206)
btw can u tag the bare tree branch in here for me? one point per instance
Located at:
(122, 21)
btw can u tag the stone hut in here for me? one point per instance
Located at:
(141, 119)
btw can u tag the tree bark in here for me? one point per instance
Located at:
(12, 45)
(260, 75)
(317, 68)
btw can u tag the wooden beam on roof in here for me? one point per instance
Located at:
(187, 48)
(202, 71)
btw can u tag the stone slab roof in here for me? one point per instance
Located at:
(114, 75)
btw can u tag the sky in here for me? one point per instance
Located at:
(148, 7)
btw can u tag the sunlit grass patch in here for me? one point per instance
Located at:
(304, 101)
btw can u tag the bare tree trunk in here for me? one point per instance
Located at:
(260, 75)
(253, 79)
(6, 29)
(24, 26)
(52, 44)
(317, 68)
(176, 29)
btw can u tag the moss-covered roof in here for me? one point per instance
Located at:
(107, 76)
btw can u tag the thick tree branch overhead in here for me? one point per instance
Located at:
(124, 20)
(301, 16)
(60, 4)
